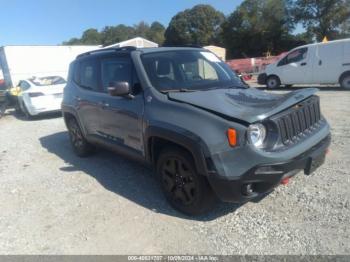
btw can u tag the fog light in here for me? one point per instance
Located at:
(248, 189)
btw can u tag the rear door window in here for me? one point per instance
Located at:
(89, 75)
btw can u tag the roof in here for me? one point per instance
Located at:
(143, 50)
(325, 43)
(165, 49)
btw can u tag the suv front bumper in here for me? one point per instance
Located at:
(262, 179)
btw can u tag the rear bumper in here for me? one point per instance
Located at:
(43, 107)
(262, 79)
(262, 179)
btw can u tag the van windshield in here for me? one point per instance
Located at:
(188, 70)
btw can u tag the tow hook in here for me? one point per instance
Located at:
(285, 181)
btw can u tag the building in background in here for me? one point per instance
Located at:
(219, 51)
(22, 62)
(137, 42)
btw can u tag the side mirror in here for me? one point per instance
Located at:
(119, 89)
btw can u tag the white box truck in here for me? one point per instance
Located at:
(321, 63)
(22, 62)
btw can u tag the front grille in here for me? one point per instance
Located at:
(299, 119)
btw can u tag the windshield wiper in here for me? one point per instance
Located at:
(178, 90)
(225, 87)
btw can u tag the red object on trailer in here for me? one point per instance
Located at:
(252, 65)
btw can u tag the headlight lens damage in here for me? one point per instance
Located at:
(257, 135)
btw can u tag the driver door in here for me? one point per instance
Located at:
(296, 67)
(121, 117)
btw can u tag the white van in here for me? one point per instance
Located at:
(321, 63)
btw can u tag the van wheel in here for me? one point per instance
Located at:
(81, 147)
(273, 82)
(185, 189)
(345, 81)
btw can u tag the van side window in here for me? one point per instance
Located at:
(116, 69)
(294, 57)
(89, 75)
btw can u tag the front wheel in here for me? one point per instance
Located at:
(345, 81)
(185, 189)
(273, 82)
(81, 147)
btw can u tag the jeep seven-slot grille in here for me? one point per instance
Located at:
(297, 120)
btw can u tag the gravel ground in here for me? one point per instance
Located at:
(55, 203)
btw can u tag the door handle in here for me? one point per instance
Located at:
(320, 62)
(103, 104)
(303, 64)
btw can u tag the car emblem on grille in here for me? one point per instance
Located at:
(298, 106)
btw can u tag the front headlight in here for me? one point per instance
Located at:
(257, 134)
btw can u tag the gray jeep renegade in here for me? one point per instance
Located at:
(186, 113)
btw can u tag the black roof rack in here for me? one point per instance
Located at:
(110, 49)
(185, 45)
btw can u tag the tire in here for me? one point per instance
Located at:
(185, 189)
(273, 82)
(81, 147)
(345, 81)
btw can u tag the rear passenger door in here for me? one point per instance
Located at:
(88, 96)
(121, 117)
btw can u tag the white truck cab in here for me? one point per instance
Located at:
(321, 63)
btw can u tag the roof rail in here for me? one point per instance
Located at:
(110, 49)
(185, 45)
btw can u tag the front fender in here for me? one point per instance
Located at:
(193, 143)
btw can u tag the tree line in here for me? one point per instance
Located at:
(254, 28)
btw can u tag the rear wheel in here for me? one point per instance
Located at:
(185, 189)
(345, 81)
(273, 82)
(81, 147)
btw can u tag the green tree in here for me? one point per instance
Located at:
(114, 34)
(141, 29)
(91, 37)
(257, 27)
(72, 41)
(322, 17)
(198, 25)
(156, 33)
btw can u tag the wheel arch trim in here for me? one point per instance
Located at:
(194, 144)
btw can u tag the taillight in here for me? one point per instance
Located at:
(35, 94)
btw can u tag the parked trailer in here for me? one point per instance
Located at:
(21, 62)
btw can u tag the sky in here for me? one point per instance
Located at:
(50, 22)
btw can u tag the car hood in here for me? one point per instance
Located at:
(248, 105)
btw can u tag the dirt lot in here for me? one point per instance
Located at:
(53, 202)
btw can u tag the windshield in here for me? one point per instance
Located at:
(47, 80)
(188, 70)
